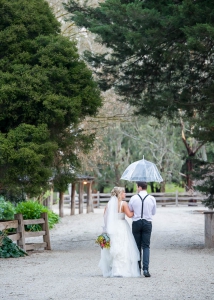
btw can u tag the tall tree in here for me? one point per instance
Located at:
(43, 84)
(159, 56)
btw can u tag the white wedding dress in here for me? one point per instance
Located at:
(121, 260)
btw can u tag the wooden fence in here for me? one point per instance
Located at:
(21, 234)
(163, 199)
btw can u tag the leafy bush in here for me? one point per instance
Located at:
(8, 248)
(6, 210)
(33, 210)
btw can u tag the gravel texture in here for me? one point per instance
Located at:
(180, 267)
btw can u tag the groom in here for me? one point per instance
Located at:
(144, 207)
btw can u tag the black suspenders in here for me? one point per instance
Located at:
(142, 204)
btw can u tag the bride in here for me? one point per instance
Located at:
(123, 256)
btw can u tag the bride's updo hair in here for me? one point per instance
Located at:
(117, 190)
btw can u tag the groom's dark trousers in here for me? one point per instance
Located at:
(142, 230)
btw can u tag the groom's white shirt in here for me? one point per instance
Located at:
(149, 206)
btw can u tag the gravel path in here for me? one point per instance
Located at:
(181, 267)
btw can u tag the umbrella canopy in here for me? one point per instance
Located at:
(142, 170)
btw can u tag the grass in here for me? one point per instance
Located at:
(170, 187)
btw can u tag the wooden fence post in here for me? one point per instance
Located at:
(45, 227)
(20, 229)
(46, 202)
(209, 229)
(98, 199)
(89, 198)
(73, 198)
(80, 197)
(176, 198)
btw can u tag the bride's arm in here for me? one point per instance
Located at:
(126, 210)
(105, 209)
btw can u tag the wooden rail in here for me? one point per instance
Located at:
(176, 198)
(11, 224)
(20, 235)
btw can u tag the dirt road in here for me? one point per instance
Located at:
(181, 267)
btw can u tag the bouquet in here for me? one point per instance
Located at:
(103, 240)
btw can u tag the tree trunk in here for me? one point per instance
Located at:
(81, 198)
(163, 187)
(61, 202)
(117, 175)
(152, 187)
(101, 189)
(189, 167)
(189, 182)
(73, 191)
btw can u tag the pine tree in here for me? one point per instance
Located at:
(161, 52)
(45, 92)
(159, 56)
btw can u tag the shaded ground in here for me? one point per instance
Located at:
(181, 267)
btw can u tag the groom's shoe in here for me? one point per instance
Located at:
(146, 273)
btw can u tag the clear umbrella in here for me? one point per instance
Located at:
(142, 170)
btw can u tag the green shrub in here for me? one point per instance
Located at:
(33, 210)
(6, 210)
